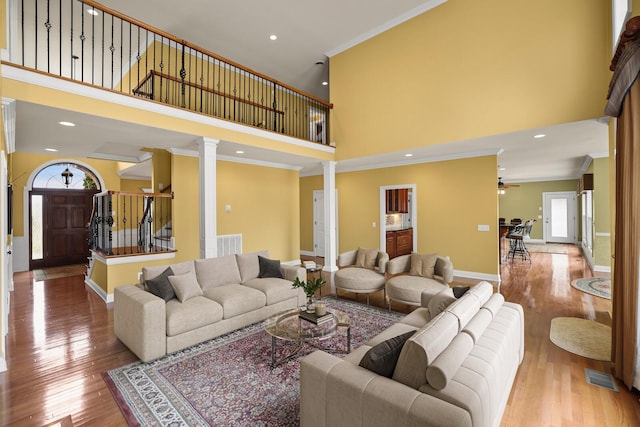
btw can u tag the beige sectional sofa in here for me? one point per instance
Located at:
(456, 369)
(231, 295)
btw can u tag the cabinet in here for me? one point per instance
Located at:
(585, 183)
(397, 201)
(399, 242)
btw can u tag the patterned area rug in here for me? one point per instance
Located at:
(229, 380)
(582, 337)
(598, 286)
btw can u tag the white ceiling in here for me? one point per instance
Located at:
(307, 32)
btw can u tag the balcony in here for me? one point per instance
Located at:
(91, 44)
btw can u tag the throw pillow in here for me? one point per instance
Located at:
(185, 286)
(382, 358)
(269, 268)
(366, 258)
(160, 285)
(458, 291)
(423, 264)
(440, 301)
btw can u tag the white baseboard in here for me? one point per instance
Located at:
(476, 275)
(3, 363)
(107, 298)
(308, 253)
(602, 268)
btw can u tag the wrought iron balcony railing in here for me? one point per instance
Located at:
(124, 223)
(87, 42)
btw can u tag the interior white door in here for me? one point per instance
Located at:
(318, 222)
(5, 258)
(559, 213)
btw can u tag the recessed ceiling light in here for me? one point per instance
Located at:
(50, 149)
(325, 83)
(93, 12)
(66, 123)
(540, 135)
(239, 152)
(502, 169)
(273, 37)
(408, 155)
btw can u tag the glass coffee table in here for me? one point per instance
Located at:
(288, 326)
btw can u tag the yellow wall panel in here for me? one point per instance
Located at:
(307, 186)
(468, 69)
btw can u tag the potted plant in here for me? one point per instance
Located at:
(309, 287)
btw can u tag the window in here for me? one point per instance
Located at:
(66, 175)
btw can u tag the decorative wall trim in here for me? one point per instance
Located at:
(476, 275)
(602, 234)
(131, 259)
(308, 253)
(258, 163)
(107, 298)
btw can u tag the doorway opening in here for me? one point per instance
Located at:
(60, 206)
(396, 214)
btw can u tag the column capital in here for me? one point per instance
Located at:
(203, 140)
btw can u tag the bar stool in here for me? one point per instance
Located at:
(516, 240)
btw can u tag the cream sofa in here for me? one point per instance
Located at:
(408, 288)
(232, 296)
(456, 369)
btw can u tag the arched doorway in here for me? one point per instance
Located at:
(60, 203)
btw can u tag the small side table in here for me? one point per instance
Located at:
(315, 272)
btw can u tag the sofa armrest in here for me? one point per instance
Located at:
(401, 264)
(290, 272)
(139, 321)
(444, 269)
(334, 392)
(347, 258)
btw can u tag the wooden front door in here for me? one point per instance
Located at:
(66, 214)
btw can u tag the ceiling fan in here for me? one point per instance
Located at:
(502, 186)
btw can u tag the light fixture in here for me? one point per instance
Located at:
(67, 124)
(239, 152)
(93, 12)
(273, 37)
(540, 135)
(67, 175)
(51, 149)
(325, 83)
(408, 155)
(501, 190)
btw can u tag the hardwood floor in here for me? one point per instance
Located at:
(61, 340)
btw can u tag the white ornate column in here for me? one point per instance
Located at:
(330, 219)
(207, 148)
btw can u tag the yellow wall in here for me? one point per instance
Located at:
(453, 198)
(134, 185)
(161, 174)
(264, 208)
(525, 202)
(23, 164)
(601, 213)
(186, 206)
(467, 69)
(307, 186)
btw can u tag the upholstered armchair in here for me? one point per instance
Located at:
(417, 277)
(362, 271)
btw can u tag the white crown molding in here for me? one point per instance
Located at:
(257, 163)
(49, 82)
(430, 4)
(184, 152)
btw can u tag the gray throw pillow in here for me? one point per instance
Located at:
(458, 291)
(160, 285)
(269, 268)
(382, 358)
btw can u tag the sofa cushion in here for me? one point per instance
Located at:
(418, 317)
(382, 358)
(366, 258)
(410, 288)
(212, 272)
(160, 285)
(437, 303)
(191, 314)
(464, 309)
(269, 268)
(274, 289)
(186, 286)
(248, 265)
(476, 326)
(449, 361)
(236, 299)
(494, 304)
(423, 264)
(178, 268)
(359, 279)
(483, 290)
(396, 329)
(419, 352)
